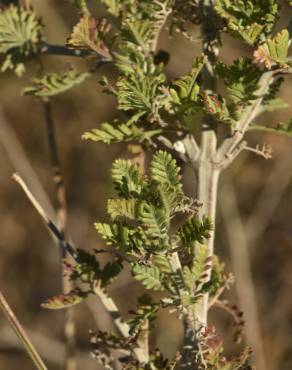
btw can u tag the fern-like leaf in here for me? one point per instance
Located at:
(65, 300)
(165, 171)
(186, 85)
(115, 133)
(127, 179)
(194, 230)
(199, 263)
(54, 84)
(150, 277)
(155, 220)
(274, 50)
(123, 208)
(89, 34)
(248, 19)
(241, 79)
(20, 34)
(139, 94)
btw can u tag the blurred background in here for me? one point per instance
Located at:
(254, 231)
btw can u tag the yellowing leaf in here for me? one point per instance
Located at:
(274, 50)
(65, 300)
(89, 34)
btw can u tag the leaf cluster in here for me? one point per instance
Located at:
(250, 20)
(20, 34)
(211, 353)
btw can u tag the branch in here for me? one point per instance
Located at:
(265, 151)
(66, 246)
(233, 155)
(247, 118)
(16, 326)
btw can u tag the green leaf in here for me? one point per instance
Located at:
(116, 234)
(274, 50)
(150, 277)
(187, 87)
(155, 221)
(199, 263)
(54, 84)
(194, 230)
(127, 179)
(65, 300)
(183, 95)
(189, 279)
(122, 237)
(20, 34)
(248, 19)
(110, 272)
(162, 263)
(139, 32)
(165, 171)
(139, 94)
(241, 79)
(88, 269)
(109, 133)
(123, 208)
(143, 21)
(273, 89)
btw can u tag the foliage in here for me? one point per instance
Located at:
(89, 34)
(119, 132)
(20, 32)
(65, 300)
(249, 20)
(274, 50)
(54, 84)
(153, 227)
(241, 79)
(211, 353)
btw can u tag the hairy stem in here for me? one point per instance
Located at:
(30, 349)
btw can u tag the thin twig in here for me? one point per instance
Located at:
(30, 349)
(265, 151)
(66, 246)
